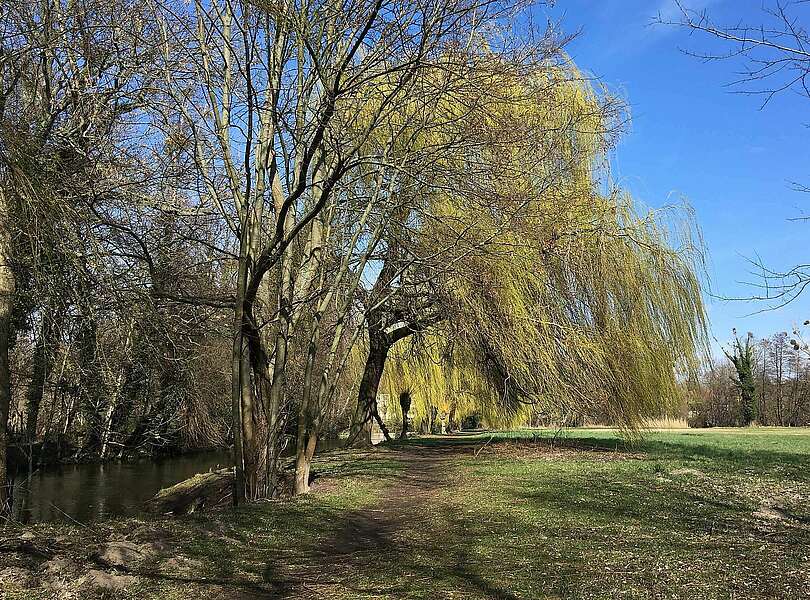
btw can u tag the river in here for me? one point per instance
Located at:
(87, 492)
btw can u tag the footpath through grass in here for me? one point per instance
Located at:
(514, 515)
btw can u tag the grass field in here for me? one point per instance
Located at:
(512, 515)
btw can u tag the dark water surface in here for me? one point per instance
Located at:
(87, 492)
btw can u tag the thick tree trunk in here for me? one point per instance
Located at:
(7, 287)
(366, 411)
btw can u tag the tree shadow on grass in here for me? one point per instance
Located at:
(374, 563)
(256, 550)
(750, 455)
(424, 545)
(750, 459)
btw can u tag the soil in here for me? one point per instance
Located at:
(377, 531)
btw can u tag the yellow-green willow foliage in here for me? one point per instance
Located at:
(476, 119)
(600, 326)
(562, 298)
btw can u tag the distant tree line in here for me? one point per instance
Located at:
(765, 381)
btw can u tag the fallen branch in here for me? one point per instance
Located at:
(201, 491)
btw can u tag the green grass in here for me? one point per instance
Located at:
(769, 451)
(675, 518)
(514, 515)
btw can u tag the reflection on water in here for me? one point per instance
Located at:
(87, 492)
(93, 491)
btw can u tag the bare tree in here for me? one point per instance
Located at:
(773, 58)
(271, 98)
(71, 75)
(771, 383)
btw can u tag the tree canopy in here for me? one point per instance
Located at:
(234, 223)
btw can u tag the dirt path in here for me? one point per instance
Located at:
(373, 530)
(363, 536)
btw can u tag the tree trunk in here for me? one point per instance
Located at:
(303, 459)
(273, 410)
(107, 424)
(7, 287)
(452, 425)
(250, 448)
(91, 389)
(369, 385)
(405, 406)
(273, 405)
(273, 398)
(307, 435)
(238, 374)
(39, 375)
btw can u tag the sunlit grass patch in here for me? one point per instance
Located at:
(674, 516)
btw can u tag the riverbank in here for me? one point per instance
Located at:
(89, 491)
(24, 458)
(686, 514)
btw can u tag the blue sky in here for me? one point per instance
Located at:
(692, 138)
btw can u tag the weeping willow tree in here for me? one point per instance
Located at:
(515, 134)
(602, 326)
(563, 297)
